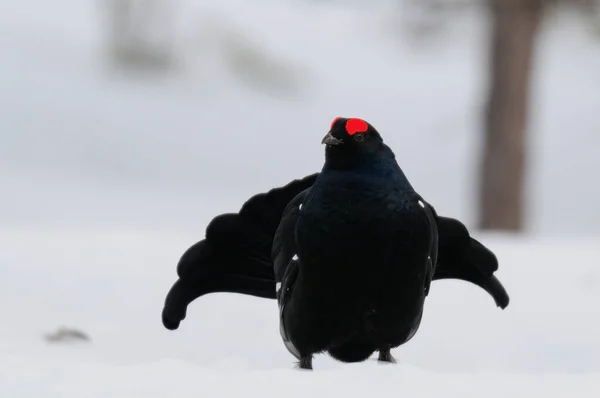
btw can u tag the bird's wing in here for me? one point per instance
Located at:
(433, 243)
(235, 255)
(284, 242)
(462, 257)
(288, 280)
(284, 263)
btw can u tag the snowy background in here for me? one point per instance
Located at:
(107, 177)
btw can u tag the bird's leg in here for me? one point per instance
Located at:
(385, 355)
(305, 363)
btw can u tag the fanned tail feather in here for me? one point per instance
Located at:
(234, 256)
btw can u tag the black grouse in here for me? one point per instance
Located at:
(349, 253)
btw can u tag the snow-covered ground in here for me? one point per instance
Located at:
(111, 284)
(106, 180)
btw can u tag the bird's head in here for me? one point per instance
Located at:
(355, 146)
(352, 134)
(353, 142)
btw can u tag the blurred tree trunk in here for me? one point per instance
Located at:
(139, 33)
(515, 24)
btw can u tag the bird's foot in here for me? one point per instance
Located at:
(305, 363)
(385, 356)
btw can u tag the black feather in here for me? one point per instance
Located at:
(235, 255)
(299, 237)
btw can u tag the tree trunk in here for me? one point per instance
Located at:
(139, 33)
(515, 23)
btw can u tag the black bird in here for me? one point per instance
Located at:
(366, 248)
(349, 253)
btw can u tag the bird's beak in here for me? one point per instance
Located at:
(330, 140)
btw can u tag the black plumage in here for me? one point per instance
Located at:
(349, 253)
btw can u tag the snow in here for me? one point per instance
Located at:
(106, 179)
(111, 284)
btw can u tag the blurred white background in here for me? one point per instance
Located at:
(232, 97)
(126, 125)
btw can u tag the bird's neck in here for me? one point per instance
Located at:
(381, 165)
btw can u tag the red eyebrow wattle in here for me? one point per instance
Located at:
(354, 126)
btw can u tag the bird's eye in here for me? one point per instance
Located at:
(359, 136)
